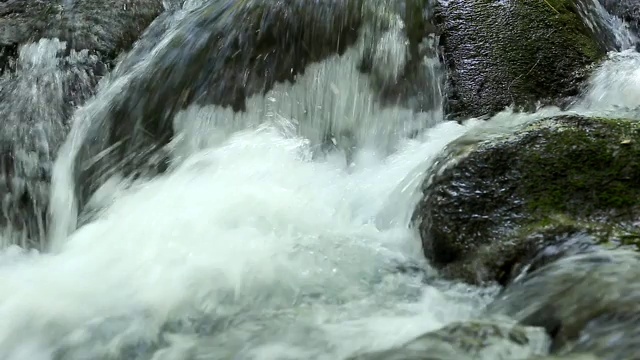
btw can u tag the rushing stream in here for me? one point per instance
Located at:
(260, 242)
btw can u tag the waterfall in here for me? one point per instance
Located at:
(35, 102)
(331, 101)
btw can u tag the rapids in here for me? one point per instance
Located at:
(259, 242)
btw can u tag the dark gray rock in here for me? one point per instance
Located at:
(418, 83)
(500, 53)
(36, 101)
(43, 81)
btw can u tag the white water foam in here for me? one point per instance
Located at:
(615, 85)
(252, 231)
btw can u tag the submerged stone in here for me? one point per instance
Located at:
(588, 303)
(520, 52)
(494, 208)
(479, 340)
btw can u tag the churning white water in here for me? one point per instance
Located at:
(278, 254)
(255, 247)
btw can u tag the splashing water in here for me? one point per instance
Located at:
(602, 22)
(255, 246)
(273, 249)
(616, 86)
(332, 98)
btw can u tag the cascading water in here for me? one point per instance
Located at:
(259, 242)
(34, 106)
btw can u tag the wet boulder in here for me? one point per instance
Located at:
(500, 53)
(476, 339)
(525, 198)
(588, 303)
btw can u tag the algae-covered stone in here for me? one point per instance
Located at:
(588, 303)
(508, 197)
(478, 340)
(503, 52)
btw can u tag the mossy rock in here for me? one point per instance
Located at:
(500, 53)
(503, 200)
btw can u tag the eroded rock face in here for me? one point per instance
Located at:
(500, 53)
(494, 208)
(36, 103)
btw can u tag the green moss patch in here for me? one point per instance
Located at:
(590, 168)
